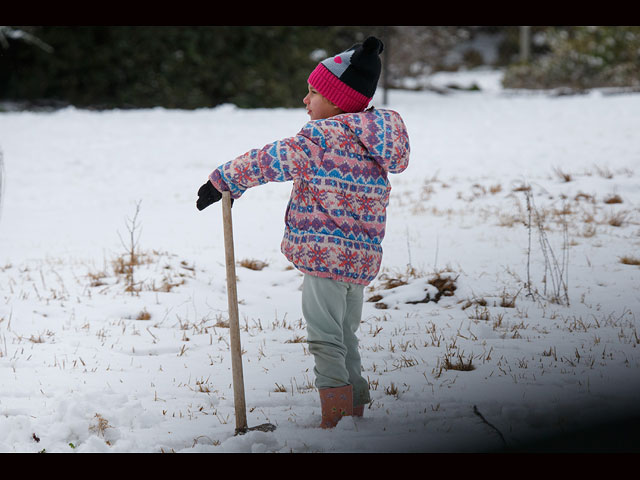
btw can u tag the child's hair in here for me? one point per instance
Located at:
(350, 79)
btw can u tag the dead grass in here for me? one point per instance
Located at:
(96, 279)
(565, 177)
(459, 363)
(550, 353)
(611, 199)
(144, 315)
(523, 187)
(556, 268)
(124, 266)
(203, 385)
(280, 388)
(453, 359)
(39, 338)
(168, 283)
(616, 219)
(390, 281)
(509, 219)
(585, 196)
(476, 301)
(253, 264)
(297, 339)
(392, 390)
(588, 231)
(480, 313)
(123, 263)
(604, 172)
(629, 260)
(100, 425)
(507, 300)
(128, 265)
(445, 283)
(443, 280)
(565, 210)
(221, 322)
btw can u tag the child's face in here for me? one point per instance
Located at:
(318, 107)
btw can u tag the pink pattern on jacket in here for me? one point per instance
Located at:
(336, 216)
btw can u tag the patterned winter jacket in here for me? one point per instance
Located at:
(336, 216)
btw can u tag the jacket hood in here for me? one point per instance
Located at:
(383, 134)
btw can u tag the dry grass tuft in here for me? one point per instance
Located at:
(392, 390)
(123, 264)
(297, 339)
(221, 322)
(443, 280)
(454, 360)
(585, 196)
(97, 279)
(100, 425)
(389, 282)
(144, 315)
(628, 260)
(459, 364)
(508, 301)
(445, 284)
(476, 301)
(566, 177)
(168, 283)
(252, 264)
(604, 172)
(480, 313)
(523, 187)
(616, 219)
(611, 199)
(280, 388)
(565, 210)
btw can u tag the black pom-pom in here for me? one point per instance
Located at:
(373, 44)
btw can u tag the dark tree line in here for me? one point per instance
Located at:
(173, 67)
(267, 66)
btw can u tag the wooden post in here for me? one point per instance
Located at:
(234, 325)
(525, 43)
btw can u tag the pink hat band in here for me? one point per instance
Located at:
(338, 92)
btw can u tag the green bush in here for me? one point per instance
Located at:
(583, 58)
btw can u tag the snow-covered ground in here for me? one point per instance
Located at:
(86, 366)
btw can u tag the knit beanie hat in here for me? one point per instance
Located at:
(349, 79)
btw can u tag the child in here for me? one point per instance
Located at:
(335, 219)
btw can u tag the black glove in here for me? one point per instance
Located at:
(207, 194)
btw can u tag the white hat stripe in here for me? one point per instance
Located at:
(338, 68)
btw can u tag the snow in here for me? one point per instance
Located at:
(79, 372)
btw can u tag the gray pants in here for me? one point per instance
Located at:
(333, 310)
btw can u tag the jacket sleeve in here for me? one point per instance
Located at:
(280, 161)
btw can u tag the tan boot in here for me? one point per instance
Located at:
(336, 403)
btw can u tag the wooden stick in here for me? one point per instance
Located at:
(234, 325)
